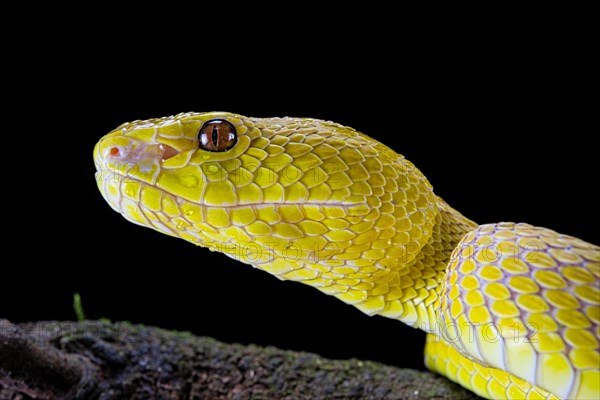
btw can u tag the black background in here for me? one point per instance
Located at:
(500, 130)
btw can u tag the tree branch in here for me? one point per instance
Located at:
(100, 360)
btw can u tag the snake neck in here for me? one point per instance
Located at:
(410, 292)
(420, 281)
(407, 289)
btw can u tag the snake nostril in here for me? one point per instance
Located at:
(114, 151)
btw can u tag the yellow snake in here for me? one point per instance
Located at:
(511, 310)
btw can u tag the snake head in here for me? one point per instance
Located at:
(294, 196)
(146, 170)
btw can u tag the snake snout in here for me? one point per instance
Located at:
(123, 166)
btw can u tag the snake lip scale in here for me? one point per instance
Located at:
(510, 310)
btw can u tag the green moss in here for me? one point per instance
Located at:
(78, 307)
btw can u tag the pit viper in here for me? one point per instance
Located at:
(510, 310)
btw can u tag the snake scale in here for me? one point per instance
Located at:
(511, 310)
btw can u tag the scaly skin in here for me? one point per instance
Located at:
(512, 311)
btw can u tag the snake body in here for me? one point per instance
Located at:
(511, 310)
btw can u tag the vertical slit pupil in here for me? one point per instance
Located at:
(215, 135)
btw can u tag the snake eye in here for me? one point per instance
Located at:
(217, 135)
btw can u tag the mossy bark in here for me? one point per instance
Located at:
(100, 360)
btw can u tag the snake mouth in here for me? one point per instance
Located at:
(148, 205)
(124, 192)
(112, 183)
(123, 176)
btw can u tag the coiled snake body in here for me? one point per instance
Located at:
(511, 310)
